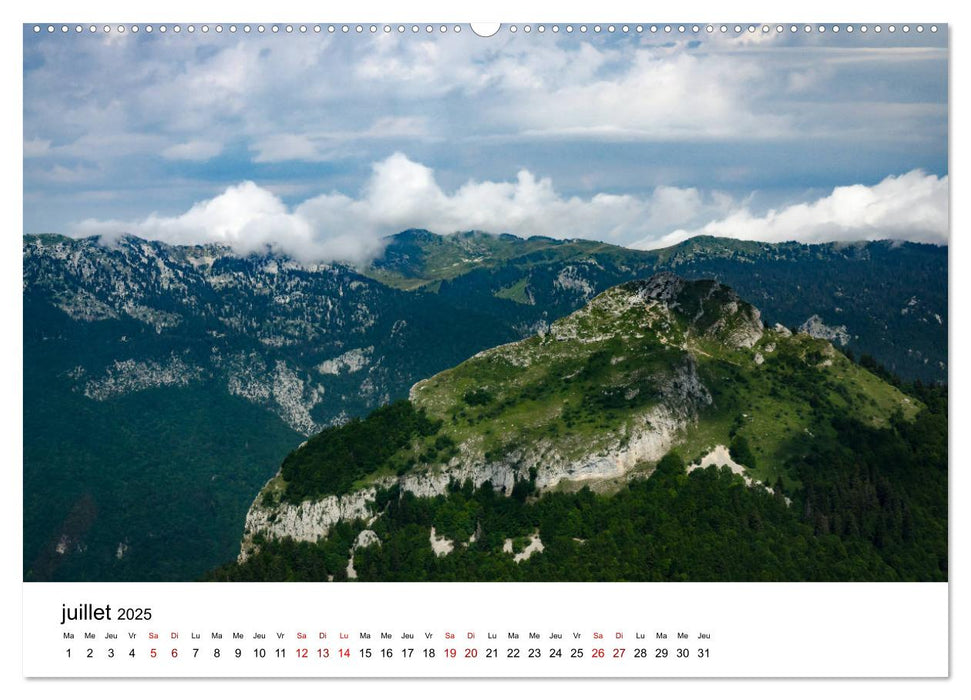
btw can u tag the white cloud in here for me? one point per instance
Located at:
(401, 194)
(192, 150)
(912, 206)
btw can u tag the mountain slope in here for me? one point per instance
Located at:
(882, 298)
(596, 401)
(122, 344)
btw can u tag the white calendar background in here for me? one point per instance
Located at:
(487, 630)
(865, 625)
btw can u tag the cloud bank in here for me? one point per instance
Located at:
(401, 193)
(912, 206)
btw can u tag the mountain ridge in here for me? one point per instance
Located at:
(603, 394)
(597, 401)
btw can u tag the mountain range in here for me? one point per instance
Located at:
(667, 396)
(164, 384)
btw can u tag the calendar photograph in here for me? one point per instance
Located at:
(343, 303)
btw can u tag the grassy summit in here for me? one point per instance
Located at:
(604, 393)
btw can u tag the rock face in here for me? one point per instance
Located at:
(310, 343)
(304, 522)
(815, 327)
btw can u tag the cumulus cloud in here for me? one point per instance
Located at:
(912, 206)
(402, 193)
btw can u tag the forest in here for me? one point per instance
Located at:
(868, 504)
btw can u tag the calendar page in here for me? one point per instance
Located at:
(517, 350)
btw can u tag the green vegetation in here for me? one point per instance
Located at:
(873, 508)
(515, 292)
(335, 459)
(163, 499)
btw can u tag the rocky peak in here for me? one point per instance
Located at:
(707, 308)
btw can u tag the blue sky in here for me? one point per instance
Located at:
(320, 144)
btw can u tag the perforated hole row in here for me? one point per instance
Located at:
(455, 28)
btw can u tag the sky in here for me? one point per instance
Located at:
(320, 144)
